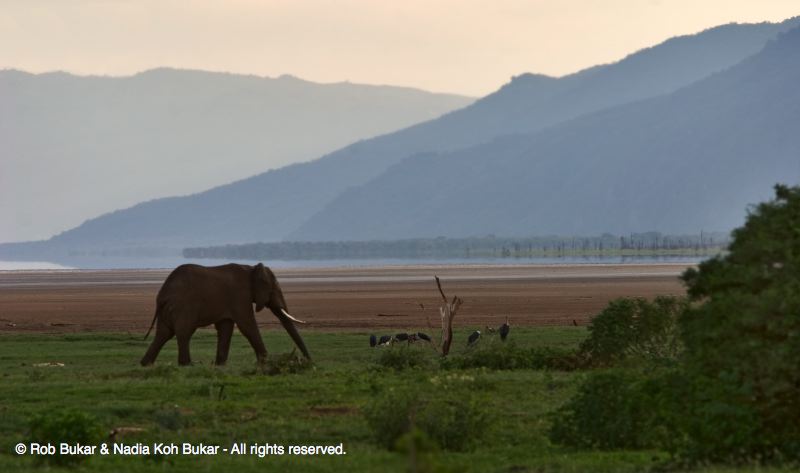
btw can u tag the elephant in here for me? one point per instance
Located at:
(196, 296)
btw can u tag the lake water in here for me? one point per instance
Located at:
(171, 262)
(29, 266)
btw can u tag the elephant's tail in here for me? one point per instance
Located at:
(155, 317)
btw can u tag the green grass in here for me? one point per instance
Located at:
(323, 405)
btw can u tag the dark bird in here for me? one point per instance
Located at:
(401, 337)
(503, 330)
(373, 340)
(423, 336)
(473, 338)
(574, 322)
(385, 339)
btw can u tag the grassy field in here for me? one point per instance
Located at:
(321, 406)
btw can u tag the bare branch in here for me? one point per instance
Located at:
(439, 285)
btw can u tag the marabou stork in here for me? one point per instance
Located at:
(503, 330)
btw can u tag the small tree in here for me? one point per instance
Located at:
(742, 339)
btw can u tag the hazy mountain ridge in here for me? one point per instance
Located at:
(688, 161)
(169, 132)
(652, 71)
(273, 205)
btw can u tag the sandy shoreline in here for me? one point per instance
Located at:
(343, 298)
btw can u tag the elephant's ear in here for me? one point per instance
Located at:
(260, 285)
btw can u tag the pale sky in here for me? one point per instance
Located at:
(463, 46)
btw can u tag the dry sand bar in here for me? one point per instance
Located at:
(352, 299)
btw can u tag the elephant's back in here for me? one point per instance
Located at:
(195, 281)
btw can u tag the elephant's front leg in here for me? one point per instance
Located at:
(224, 334)
(249, 329)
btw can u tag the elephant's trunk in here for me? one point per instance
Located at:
(288, 324)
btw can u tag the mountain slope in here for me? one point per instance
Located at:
(684, 162)
(69, 139)
(272, 205)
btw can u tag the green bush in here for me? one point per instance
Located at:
(390, 414)
(404, 357)
(742, 341)
(67, 426)
(443, 409)
(509, 356)
(496, 356)
(623, 408)
(634, 328)
(555, 359)
(285, 363)
(606, 413)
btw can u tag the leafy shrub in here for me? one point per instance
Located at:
(285, 363)
(635, 328)
(453, 423)
(443, 410)
(405, 356)
(505, 356)
(68, 426)
(509, 356)
(390, 414)
(722, 426)
(605, 413)
(622, 409)
(742, 341)
(555, 359)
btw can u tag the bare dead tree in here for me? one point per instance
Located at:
(448, 313)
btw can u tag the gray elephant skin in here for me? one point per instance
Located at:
(196, 296)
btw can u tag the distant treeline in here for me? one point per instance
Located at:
(651, 243)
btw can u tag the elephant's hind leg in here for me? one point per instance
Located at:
(163, 334)
(184, 358)
(224, 334)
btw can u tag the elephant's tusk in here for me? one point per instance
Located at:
(288, 315)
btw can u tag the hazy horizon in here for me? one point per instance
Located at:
(415, 44)
(238, 74)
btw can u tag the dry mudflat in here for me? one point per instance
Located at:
(351, 299)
